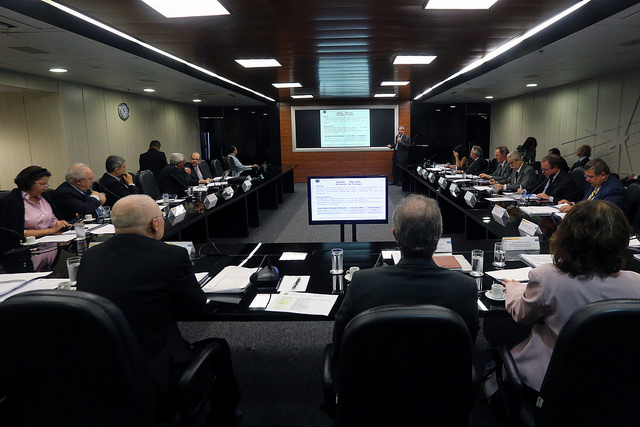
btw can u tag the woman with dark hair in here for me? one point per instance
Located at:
(588, 257)
(460, 157)
(528, 150)
(28, 210)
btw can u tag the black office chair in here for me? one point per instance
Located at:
(593, 374)
(232, 166)
(148, 184)
(217, 167)
(632, 195)
(402, 365)
(69, 358)
(577, 175)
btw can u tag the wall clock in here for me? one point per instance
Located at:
(123, 111)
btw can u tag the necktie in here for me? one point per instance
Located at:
(546, 186)
(198, 172)
(593, 194)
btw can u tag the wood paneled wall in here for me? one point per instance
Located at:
(336, 163)
(72, 123)
(603, 113)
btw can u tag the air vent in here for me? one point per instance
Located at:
(27, 49)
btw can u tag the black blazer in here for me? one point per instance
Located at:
(401, 149)
(153, 160)
(70, 201)
(562, 187)
(580, 163)
(477, 165)
(412, 281)
(12, 217)
(204, 169)
(174, 180)
(152, 299)
(115, 189)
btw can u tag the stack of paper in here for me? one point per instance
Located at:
(536, 260)
(232, 279)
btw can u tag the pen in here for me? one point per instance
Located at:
(296, 283)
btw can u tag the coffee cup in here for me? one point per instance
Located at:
(350, 272)
(497, 291)
(88, 217)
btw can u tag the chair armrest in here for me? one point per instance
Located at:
(329, 405)
(194, 385)
(509, 383)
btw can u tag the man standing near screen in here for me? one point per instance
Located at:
(400, 149)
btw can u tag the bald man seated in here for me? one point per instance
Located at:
(153, 299)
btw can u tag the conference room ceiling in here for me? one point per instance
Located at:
(339, 51)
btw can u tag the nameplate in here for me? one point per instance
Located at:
(432, 177)
(419, 170)
(246, 185)
(227, 193)
(514, 246)
(470, 198)
(528, 228)
(500, 215)
(442, 182)
(444, 245)
(210, 201)
(454, 190)
(177, 214)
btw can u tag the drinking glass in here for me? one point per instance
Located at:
(73, 263)
(499, 255)
(477, 261)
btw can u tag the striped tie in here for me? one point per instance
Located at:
(593, 194)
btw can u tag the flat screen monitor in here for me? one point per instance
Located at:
(347, 199)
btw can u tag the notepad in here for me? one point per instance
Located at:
(232, 279)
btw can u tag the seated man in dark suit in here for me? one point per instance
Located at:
(75, 196)
(116, 181)
(416, 279)
(523, 175)
(559, 184)
(199, 169)
(175, 178)
(563, 163)
(153, 299)
(154, 159)
(602, 186)
(498, 167)
(478, 163)
(583, 152)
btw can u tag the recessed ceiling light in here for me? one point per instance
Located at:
(488, 97)
(394, 83)
(413, 59)
(148, 89)
(459, 4)
(258, 63)
(302, 96)
(197, 100)
(286, 85)
(187, 8)
(532, 84)
(452, 106)
(384, 95)
(58, 70)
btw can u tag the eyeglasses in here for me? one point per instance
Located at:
(42, 184)
(589, 177)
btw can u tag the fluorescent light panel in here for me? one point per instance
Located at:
(390, 83)
(384, 95)
(58, 70)
(187, 8)
(413, 59)
(302, 96)
(286, 85)
(258, 63)
(459, 4)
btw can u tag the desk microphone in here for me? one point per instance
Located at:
(102, 189)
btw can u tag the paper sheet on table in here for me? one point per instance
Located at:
(634, 242)
(11, 281)
(293, 256)
(32, 286)
(536, 260)
(499, 199)
(101, 229)
(56, 238)
(483, 187)
(302, 303)
(519, 274)
(232, 279)
(539, 210)
(287, 283)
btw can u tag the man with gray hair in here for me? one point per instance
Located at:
(522, 178)
(478, 163)
(75, 196)
(153, 299)
(416, 278)
(175, 178)
(116, 181)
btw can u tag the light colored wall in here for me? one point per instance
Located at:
(603, 113)
(72, 123)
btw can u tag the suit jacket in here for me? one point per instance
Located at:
(401, 149)
(580, 163)
(115, 188)
(562, 187)
(547, 301)
(204, 169)
(477, 166)
(412, 281)
(152, 299)
(12, 217)
(611, 190)
(502, 172)
(71, 201)
(174, 180)
(153, 160)
(525, 178)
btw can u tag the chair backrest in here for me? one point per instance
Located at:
(148, 184)
(232, 165)
(218, 170)
(632, 195)
(577, 175)
(69, 358)
(405, 365)
(594, 370)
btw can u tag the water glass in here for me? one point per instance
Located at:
(477, 262)
(81, 233)
(336, 261)
(106, 213)
(499, 255)
(73, 263)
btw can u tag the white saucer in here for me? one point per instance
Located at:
(491, 297)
